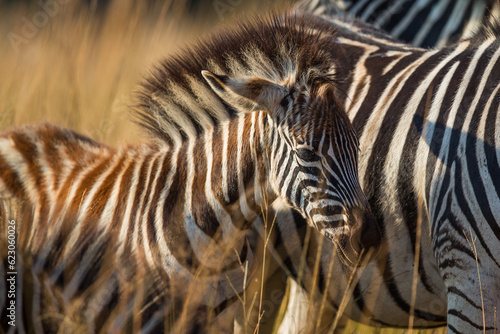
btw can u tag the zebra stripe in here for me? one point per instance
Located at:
(429, 137)
(225, 146)
(422, 23)
(112, 298)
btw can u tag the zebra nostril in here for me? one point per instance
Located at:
(365, 232)
(308, 196)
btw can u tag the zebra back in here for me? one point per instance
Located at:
(420, 23)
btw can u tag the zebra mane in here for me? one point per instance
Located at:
(488, 30)
(174, 103)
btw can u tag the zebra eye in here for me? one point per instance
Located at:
(306, 154)
(285, 102)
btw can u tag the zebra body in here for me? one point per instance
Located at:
(428, 122)
(420, 23)
(267, 125)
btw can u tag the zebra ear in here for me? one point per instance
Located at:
(246, 94)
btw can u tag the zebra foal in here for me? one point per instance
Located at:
(266, 126)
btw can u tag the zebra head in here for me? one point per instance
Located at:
(310, 155)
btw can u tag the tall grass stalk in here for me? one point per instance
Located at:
(472, 245)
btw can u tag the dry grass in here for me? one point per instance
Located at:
(79, 68)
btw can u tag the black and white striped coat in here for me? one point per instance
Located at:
(429, 128)
(422, 23)
(266, 125)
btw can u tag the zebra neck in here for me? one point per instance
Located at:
(220, 195)
(227, 173)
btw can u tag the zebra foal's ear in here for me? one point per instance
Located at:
(246, 94)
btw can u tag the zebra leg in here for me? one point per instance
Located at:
(302, 314)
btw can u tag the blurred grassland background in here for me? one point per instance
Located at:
(76, 63)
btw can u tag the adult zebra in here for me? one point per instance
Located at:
(266, 126)
(421, 23)
(429, 127)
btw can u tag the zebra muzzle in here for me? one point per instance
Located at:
(365, 237)
(358, 240)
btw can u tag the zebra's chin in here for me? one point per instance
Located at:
(350, 253)
(356, 245)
